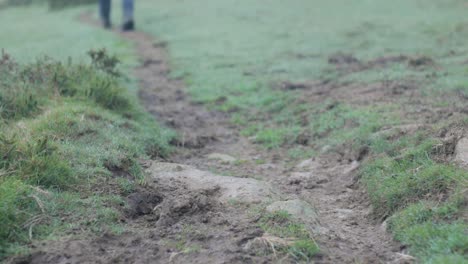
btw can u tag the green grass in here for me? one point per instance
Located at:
(72, 131)
(239, 50)
(38, 32)
(434, 240)
(425, 200)
(281, 224)
(394, 182)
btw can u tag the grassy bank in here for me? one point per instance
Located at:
(267, 63)
(72, 132)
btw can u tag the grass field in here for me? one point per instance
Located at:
(236, 56)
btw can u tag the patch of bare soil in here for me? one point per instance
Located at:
(197, 207)
(347, 230)
(346, 63)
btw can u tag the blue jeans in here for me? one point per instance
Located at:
(105, 10)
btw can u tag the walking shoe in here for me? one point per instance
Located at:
(128, 26)
(106, 24)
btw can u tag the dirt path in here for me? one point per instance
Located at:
(346, 232)
(196, 207)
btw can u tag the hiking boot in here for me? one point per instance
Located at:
(128, 26)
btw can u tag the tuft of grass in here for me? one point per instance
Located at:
(435, 232)
(396, 182)
(26, 88)
(16, 208)
(281, 224)
(35, 160)
(276, 137)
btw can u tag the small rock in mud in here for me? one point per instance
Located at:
(268, 166)
(461, 152)
(403, 259)
(223, 158)
(303, 138)
(298, 209)
(342, 213)
(310, 164)
(351, 168)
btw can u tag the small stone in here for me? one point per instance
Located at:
(226, 188)
(308, 164)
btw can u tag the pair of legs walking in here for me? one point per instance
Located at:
(127, 7)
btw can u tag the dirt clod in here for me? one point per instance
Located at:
(141, 203)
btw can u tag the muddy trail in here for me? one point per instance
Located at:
(201, 205)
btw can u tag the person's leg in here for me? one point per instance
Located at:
(104, 11)
(128, 20)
